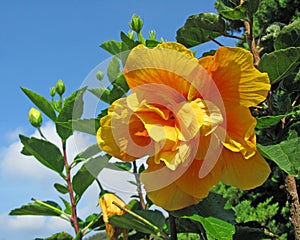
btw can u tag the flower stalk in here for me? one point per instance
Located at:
(139, 186)
(74, 219)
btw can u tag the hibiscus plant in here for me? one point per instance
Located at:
(211, 138)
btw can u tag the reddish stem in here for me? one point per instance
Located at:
(70, 189)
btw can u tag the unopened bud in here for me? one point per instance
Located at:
(35, 117)
(99, 75)
(60, 87)
(131, 35)
(52, 91)
(109, 209)
(152, 35)
(136, 23)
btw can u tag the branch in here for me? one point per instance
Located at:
(138, 183)
(291, 187)
(251, 41)
(173, 230)
(74, 219)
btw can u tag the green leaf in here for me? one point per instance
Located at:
(68, 207)
(201, 28)
(268, 121)
(237, 13)
(112, 47)
(101, 93)
(121, 84)
(38, 209)
(214, 227)
(285, 154)
(151, 43)
(89, 152)
(146, 221)
(42, 103)
(120, 166)
(88, 173)
(212, 206)
(45, 152)
(127, 42)
(72, 110)
(252, 7)
(113, 69)
(85, 125)
(61, 188)
(289, 36)
(280, 64)
(97, 222)
(58, 236)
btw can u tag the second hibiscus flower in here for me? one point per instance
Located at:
(191, 119)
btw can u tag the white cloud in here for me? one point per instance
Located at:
(15, 165)
(30, 227)
(33, 178)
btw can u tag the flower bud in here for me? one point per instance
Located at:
(60, 87)
(52, 91)
(108, 210)
(152, 35)
(131, 35)
(99, 75)
(35, 117)
(136, 23)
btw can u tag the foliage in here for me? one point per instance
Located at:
(227, 213)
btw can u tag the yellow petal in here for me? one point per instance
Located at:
(122, 134)
(239, 131)
(191, 182)
(161, 189)
(238, 81)
(109, 209)
(189, 118)
(209, 151)
(169, 64)
(174, 190)
(244, 173)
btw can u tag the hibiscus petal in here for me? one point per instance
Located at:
(191, 183)
(239, 130)
(244, 173)
(161, 189)
(170, 64)
(122, 135)
(236, 77)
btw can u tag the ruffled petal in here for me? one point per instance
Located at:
(123, 135)
(244, 173)
(238, 81)
(238, 131)
(169, 64)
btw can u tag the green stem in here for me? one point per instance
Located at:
(40, 132)
(59, 211)
(155, 228)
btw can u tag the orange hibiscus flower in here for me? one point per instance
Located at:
(191, 119)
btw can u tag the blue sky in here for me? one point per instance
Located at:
(41, 42)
